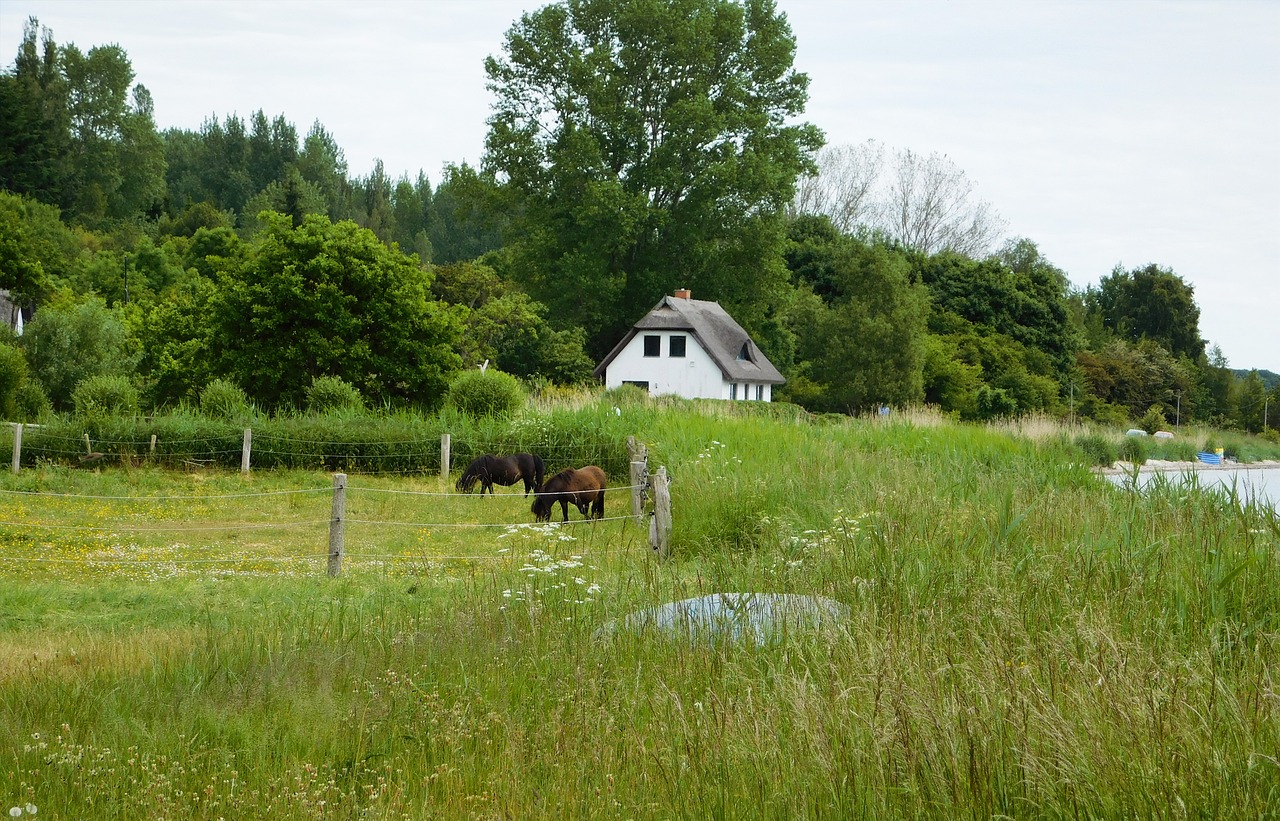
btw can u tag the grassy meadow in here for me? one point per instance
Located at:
(1026, 640)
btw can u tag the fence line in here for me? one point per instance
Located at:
(471, 495)
(176, 529)
(642, 484)
(45, 495)
(277, 559)
(480, 524)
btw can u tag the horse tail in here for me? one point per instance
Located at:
(539, 470)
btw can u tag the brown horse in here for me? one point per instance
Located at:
(503, 470)
(583, 487)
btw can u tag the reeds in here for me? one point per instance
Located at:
(1025, 641)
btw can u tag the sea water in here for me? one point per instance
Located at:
(1261, 485)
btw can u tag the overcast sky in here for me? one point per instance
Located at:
(1115, 132)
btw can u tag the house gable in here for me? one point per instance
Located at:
(723, 361)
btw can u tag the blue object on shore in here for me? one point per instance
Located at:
(1209, 458)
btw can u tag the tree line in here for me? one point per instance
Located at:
(632, 148)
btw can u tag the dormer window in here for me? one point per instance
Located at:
(745, 353)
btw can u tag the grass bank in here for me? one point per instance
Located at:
(1025, 640)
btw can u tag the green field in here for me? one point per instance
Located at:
(1025, 640)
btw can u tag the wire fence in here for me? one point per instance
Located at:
(249, 449)
(273, 531)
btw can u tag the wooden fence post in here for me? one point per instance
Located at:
(153, 445)
(17, 447)
(88, 449)
(639, 479)
(636, 450)
(337, 524)
(660, 524)
(245, 449)
(444, 456)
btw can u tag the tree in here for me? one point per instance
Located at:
(859, 321)
(845, 188)
(322, 164)
(466, 220)
(508, 328)
(78, 134)
(646, 145)
(930, 207)
(329, 299)
(67, 342)
(1252, 396)
(35, 143)
(36, 249)
(1151, 303)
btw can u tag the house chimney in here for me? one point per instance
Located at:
(682, 293)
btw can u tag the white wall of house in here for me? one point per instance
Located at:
(748, 392)
(693, 376)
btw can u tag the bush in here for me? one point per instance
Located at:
(994, 403)
(1134, 449)
(488, 393)
(221, 399)
(13, 375)
(1097, 449)
(105, 395)
(1153, 420)
(330, 393)
(33, 404)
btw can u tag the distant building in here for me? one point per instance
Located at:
(690, 348)
(10, 314)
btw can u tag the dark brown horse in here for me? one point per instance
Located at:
(583, 487)
(503, 470)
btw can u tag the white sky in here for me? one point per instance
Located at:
(1107, 131)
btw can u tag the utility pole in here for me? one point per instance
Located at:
(1177, 414)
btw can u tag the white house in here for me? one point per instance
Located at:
(692, 348)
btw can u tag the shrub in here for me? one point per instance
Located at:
(1134, 449)
(1097, 449)
(33, 404)
(105, 395)
(995, 402)
(221, 399)
(488, 393)
(330, 393)
(13, 375)
(1153, 420)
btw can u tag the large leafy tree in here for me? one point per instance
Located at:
(647, 144)
(1150, 303)
(505, 326)
(78, 133)
(859, 321)
(330, 299)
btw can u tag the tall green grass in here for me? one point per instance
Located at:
(1025, 641)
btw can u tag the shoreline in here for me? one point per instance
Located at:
(1163, 466)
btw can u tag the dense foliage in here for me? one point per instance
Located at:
(634, 147)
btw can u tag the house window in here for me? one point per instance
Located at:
(677, 345)
(652, 345)
(733, 390)
(759, 393)
(644, 386)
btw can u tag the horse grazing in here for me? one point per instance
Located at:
(502, 470)
(583, 487)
